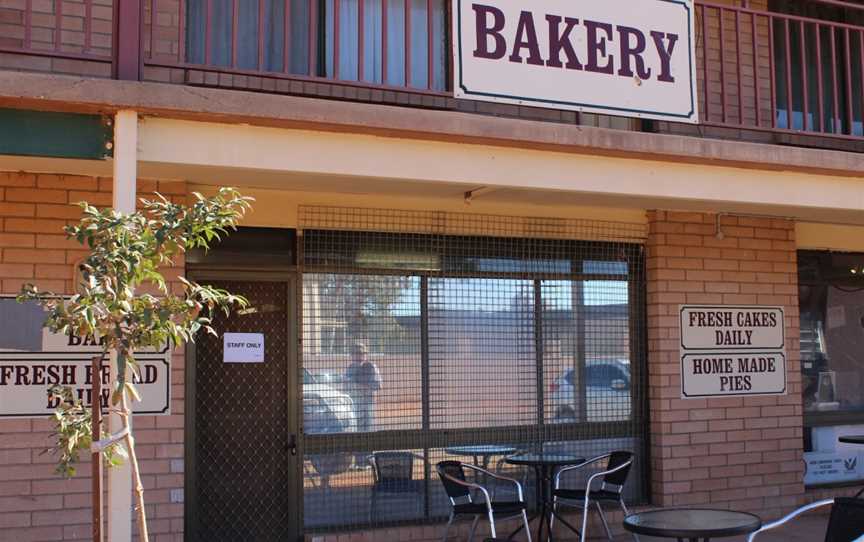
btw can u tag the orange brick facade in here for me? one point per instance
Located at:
(35, 503)
(744, 453)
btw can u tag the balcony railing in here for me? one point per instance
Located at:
(796, 68)
(782, 72)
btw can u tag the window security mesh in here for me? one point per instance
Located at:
(426, 331)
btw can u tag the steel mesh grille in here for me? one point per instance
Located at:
(426, 331)
(241, 437)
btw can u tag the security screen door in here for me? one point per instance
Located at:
(243, 483)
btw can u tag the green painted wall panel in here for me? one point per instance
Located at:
(55, 135)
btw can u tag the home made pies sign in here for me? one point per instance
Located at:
(729, 350)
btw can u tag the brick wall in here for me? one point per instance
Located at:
(35, 503)
(744, 453)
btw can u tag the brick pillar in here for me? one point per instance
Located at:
(740, 453)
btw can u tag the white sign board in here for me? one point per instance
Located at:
(732, 350)
(24, 383)
(632, 58)
(32, 359)
(832, 467)
(243, 348)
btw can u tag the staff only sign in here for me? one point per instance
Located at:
(732, 350)
(619, 57)
(32, 359)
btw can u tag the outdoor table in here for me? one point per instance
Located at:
(545, 465)
(481, 454)
(692, 524)
(853, 439)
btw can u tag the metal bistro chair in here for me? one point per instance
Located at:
(394, 474)
(846, 523)
(462, 503)
(612, 480)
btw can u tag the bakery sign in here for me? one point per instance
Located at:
(729, 350)
(32, 359)
(633, 58)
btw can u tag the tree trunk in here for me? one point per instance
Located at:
(136, 472)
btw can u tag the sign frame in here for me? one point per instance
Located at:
(82, 357)
(733, 350)
(462, 91)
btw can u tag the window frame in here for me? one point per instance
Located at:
(814, 418)
(427, 438)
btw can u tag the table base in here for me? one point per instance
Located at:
(546, 511)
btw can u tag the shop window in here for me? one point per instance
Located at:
(333, 29)
(831, 294)
(460, 340)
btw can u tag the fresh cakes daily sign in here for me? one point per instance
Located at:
(732, 350)
(619, 57)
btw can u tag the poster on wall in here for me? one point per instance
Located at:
(832, 467)
(32, 359)
(732, 350)
(632, 58)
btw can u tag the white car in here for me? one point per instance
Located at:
(326, 409)
(607, 392)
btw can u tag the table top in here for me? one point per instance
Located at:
(852, 439)
(692, 523)
(485, 449)
(544, 459)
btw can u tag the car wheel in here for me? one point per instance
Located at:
(565, 414)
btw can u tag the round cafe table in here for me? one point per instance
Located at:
(693, 524)
(853, 439)
(481, 454)
(545, 465)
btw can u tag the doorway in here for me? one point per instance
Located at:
(242, 448)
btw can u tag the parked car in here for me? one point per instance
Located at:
(327, 410)
(607, 392)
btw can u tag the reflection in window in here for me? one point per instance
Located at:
(586, 351)
(831, 296)
(361, 353)
(482, 353)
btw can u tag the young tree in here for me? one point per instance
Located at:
(114, 302)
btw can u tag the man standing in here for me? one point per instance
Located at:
(363, 381)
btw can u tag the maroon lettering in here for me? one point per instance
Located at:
(526, 38)
(21, 376)
(68, 375)
(38, 375)
(560, 41)
(597, 48)
(6, 372)
(484, 32)
(632, 51)
(665, 53)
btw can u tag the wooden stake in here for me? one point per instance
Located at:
(96, 406)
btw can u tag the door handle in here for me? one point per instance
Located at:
(292, 444)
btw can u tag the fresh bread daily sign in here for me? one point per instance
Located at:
(633, 58)
(732, 350)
